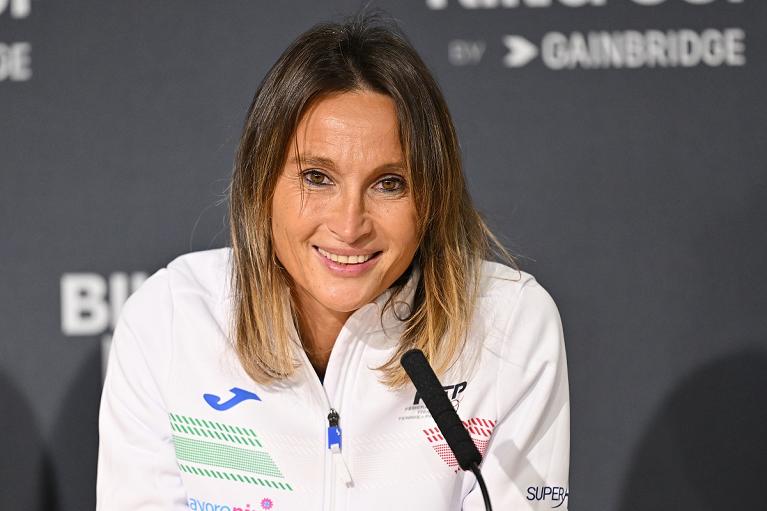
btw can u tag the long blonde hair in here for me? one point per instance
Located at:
(370, 53)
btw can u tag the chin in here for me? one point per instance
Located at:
(346, 302)
(346, 305)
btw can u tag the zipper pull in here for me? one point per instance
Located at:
(334, 444)
(334, 432)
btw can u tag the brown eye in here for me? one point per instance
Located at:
(316, 178)
(391, 184)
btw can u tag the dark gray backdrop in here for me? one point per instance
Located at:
(635, 194)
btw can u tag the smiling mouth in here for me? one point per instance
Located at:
(344, 259)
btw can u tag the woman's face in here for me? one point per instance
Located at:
(343, 219)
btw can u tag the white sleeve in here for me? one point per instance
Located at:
(526, 466)
(137, 464)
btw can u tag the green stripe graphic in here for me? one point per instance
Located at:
(214, 430)
(221, 446)
(228, 476)
(225, 456)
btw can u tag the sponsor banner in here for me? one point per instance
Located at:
(506, 4)
(16, 9)
(15, 56)
(15, 62)
(630, 49)
(612, 48)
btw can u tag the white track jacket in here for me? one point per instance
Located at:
(182, 426)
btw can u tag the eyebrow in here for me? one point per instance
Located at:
(308, 160)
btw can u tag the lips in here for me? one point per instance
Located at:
(346, 259)
(365, 261)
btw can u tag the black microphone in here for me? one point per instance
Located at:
(430, 389)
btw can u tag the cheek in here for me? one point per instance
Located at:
(400, 227)
(278, 240)
(287, 232)
(283, 232)
(292, 218)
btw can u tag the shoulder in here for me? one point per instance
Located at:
(518, 313)
(204, 274)
(506, 287)
(190, 287)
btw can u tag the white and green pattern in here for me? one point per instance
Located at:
(223, 451)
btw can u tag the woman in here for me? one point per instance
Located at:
(353, 240)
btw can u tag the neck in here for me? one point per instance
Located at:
(318, 328)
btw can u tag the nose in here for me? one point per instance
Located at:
(348, 218)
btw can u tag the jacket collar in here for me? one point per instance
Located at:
(376, 316)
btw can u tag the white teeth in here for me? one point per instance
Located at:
(355, 259)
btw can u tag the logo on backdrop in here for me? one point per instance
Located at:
(601, 49)
(504, 4)
(630, 49)
(15, 8)
(15, 57)
(91, 304)
(239, 396)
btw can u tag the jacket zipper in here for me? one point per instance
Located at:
(335, 468)
(334, 444)
(334, 448)
(333, 459)
(335, 465)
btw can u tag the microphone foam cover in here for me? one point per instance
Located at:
(434, 397)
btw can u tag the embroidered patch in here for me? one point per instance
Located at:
(479, 431)
(223, 451)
